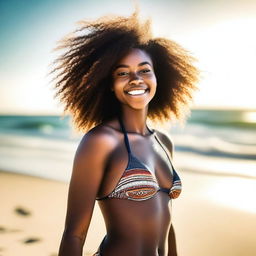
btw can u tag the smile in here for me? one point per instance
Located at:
(137, 92)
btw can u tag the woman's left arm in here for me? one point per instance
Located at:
(172, 248)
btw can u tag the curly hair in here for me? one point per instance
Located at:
(84, 70)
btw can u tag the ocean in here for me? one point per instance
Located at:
(216, 142)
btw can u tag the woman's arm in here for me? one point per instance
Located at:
(88, 170)
(172, 248)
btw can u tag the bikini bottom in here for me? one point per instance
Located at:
(99, 251)
(97, 254)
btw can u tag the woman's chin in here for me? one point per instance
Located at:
(138, 106)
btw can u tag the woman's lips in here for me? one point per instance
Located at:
(135, 92)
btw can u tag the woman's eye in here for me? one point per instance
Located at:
(122, 73)
(144, 71)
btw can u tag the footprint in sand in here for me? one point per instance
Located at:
(22, 211)
(31, 240)
(9, 230)
(3, 230)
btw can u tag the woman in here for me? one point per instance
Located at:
(112, 79)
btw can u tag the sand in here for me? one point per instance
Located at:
(215, 216)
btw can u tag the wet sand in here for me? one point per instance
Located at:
(215, 216)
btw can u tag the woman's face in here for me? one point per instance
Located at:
(134, 81)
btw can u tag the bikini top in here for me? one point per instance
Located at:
(137, 182)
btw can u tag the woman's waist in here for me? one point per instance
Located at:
(134, 233)
(143, 233)
(128, 244)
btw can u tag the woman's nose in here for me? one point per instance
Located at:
(135, 79)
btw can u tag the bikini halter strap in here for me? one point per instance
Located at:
(126, 140)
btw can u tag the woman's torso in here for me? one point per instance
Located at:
(136, 227)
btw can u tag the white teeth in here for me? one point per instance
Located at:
(136, 92)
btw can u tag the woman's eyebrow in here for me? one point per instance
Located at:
(127, 66)
(144, 63)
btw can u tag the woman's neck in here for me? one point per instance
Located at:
(135, 120)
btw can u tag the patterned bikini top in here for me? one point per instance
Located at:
(138, 183)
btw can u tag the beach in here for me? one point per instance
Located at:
(215, 156)
(33, 212)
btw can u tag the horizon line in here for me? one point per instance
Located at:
(53, 113)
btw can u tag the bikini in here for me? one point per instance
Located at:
(137, 182)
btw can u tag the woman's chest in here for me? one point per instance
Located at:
(149, 153)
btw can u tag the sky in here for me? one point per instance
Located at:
(219, 33)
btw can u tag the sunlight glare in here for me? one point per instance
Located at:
(250, 117)
(226, 53)
(237, 193)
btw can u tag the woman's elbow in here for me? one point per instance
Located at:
(71, 243)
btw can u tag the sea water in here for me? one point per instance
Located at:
(216, 141)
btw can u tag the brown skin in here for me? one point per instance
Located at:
(133, 228)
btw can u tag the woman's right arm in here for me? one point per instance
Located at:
(88, 170)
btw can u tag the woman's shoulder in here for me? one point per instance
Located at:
(101, 138)
(165, 139)
(99, 132)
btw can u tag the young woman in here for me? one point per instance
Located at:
(112, 79)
